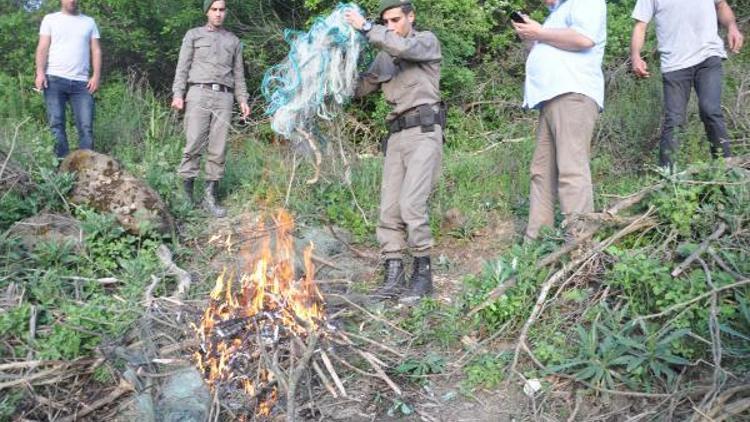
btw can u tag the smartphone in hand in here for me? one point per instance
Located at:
(517, 17)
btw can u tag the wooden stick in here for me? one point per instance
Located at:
(30, 364)
(642, 222)
(334, 375)
(493, 295)
(379, 371)
(701, 249)
(122, 389)
(609, 214)
(693, 300)
(316, 152)
(734, 409)
(297, 371)
(361, 254)
(183, 277)
(148, 295)
(29, 379)
(365, 311)
(12, 144)
(324, 380)
(325, 262)
(344, 335)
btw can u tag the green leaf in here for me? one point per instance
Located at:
(586, 373)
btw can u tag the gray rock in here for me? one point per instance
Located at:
(184, 398)
(103, 185)
(54, 228)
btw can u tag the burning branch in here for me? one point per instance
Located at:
(263, 330)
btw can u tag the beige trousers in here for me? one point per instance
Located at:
(410, 172)
(560, 167)
(207, 118)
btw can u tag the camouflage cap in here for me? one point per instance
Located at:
(390, 4)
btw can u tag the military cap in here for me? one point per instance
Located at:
(390, 4)
(207, 4)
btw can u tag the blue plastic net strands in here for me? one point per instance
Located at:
(316, 78)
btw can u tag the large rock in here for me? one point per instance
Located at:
(184, 398)
(103, 185)
(48, 228)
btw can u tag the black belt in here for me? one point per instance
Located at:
(423, 115)
(214, 87)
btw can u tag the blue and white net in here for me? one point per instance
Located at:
(317, 77)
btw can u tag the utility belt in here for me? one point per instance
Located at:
(214, 87)
(423, 115)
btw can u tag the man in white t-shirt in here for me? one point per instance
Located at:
(68, 47)
(691, 54)
(564, 81)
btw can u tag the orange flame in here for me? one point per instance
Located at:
(267, 296)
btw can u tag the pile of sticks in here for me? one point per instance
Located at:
(727, 395)
(251, 361)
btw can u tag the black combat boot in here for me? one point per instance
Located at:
(420, 283)
(209, 200)
(394, 281)
(187, 184)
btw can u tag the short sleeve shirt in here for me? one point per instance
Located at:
(552, 71)
(70, 48)
(687, 31)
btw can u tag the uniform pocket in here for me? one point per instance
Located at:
(204, 49)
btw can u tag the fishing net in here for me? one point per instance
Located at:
(317, 77)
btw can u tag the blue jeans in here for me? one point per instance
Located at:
(706, 78)
(58, 92)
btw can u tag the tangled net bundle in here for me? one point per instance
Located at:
(316, 78)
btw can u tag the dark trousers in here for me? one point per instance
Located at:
(706, 77)
(58, 93)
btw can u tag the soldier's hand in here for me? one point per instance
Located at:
(734, 39)
(40, 82)
(245, 110)
(354, 19)
(640, 67)
(178, 103)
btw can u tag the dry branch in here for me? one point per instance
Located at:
(640, 223)
(183, 277)
(329, 366)
(700, 250)
(123, 388)
(595, 223)
(694, 300)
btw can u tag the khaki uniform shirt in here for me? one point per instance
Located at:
(407, 69)
(210, 56)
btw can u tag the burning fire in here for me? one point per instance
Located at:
(255, 310)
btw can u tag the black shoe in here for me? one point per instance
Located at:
(394, 281)
(187, 185)
(726, 149)
(209, 200)
(421, 280)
